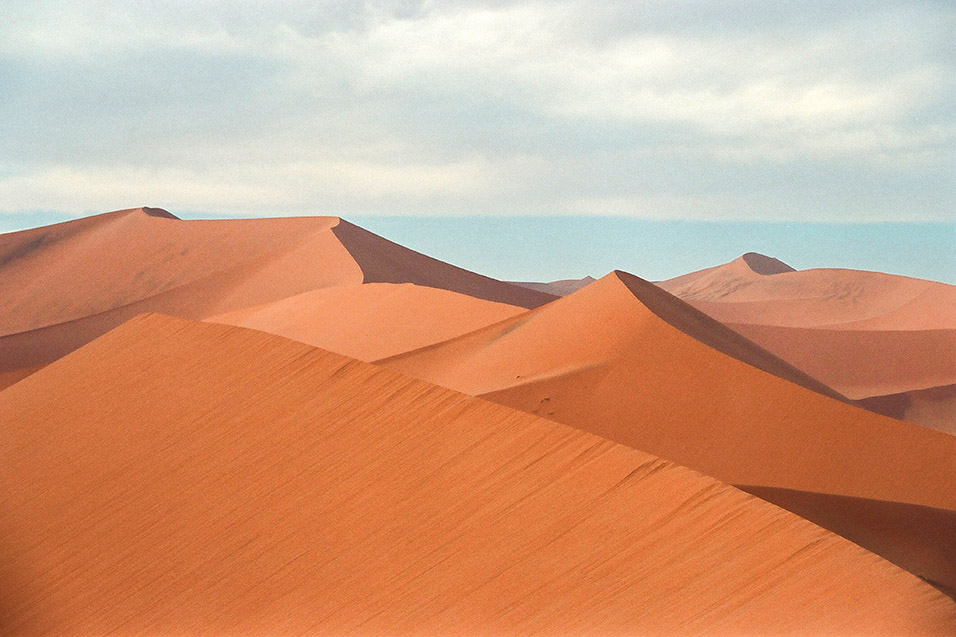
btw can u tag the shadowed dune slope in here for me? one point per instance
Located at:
(374, 320)
(634, 364)
(618, 359)
(383, 261)
(919, 539)
(934, 407)
(65, 284)
(563, 287)
(868, 335)
(181, 477)
(863, 363)
(15, 376)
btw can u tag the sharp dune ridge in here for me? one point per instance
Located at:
(374, 320)
(220, 480)
(831, 298)
(65, 284)
(868, 335)
(166, 475)
(638, 346)
(643, 368)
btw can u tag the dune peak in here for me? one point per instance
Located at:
(158, 212)
(762, 264)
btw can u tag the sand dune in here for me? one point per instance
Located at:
(16, 375)
(881, 339)
(624, 360)
(180, 477)
(934, 407)
(374, 320)
(863, 363)
(641, 367)
(63, 285)
(563, 287)
(748, 290)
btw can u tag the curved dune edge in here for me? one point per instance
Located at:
(222, 480)
(193, 269)
(863, 363)
(918, 539)
(601, 359)
(624, 372)
(873, 337)
(373, 320)
(16, 375)
(829, 298)
(934, 407)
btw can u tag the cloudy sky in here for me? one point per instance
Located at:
(659, 109)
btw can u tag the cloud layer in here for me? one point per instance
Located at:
(660, 109)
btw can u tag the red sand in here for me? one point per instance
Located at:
(65, 284)
(863, 363)
(870, 336)
(16, 375)
(179, 477)
(834, 298)
(374, 320)
(624, 360)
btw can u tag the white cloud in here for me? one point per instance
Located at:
(499, 107)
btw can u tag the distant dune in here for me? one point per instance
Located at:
(832, 298)
(175, 477)
(622, 359)
(887, 341)
(63, 285)
(558, 288)
(374, 320)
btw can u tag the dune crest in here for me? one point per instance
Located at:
(221, 480)
(63, 285)
(624, 359)
(868, 335)
(374, 320)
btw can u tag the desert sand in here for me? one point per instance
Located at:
(563, 287)
(622, 359)
(887, 341)
(762, 290)
(372, 321)
(63, 285)
(183, 477)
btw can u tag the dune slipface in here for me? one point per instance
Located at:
(180, 477)
(629, 362)
(63, 285)
(374, 320)
(886, 341)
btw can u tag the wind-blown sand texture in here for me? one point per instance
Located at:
(182, 477)
(63, 285)
(629, 362)
(884, 340)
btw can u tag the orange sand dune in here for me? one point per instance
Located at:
(920, 539)
(863, 363)
(636, 365)
(563, 287)
(761, 290)
(623, 359)
(372, 321)
(934, 407)
(182, 478)
(16, 375)
(63, 285)
(758, 289)
(868, 335)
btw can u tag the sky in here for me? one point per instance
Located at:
(674, 111)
